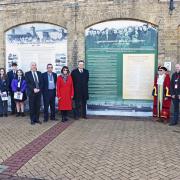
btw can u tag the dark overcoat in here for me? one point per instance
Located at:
(80, 82)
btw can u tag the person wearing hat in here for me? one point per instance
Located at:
(12, 75)
(175, 94)
(162, 97)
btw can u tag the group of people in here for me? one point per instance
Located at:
(165, 90)
(34, 84)
(74, 86)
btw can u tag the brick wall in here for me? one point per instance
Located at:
(89, 12)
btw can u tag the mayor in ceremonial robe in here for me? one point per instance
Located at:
(161, 93)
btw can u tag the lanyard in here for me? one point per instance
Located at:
(177, 78)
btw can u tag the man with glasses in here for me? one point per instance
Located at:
(80, 78)
(49, 80)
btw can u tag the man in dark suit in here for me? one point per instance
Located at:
(175, 94)
(80, 78)
(12, 75)
(49, 80)
(34, 87)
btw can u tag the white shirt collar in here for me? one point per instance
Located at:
(80, 70)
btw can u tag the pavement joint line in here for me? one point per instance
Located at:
(12, 164)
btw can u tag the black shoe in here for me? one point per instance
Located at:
(18, 114)
(172, 124)
(39, 122)
(54, 119)
(1, 115)
(84, 117)
(65, 119)
(32, 123)
(45, 120)
(12, 113)
(76, 117)
(22, 114)
(5, 115)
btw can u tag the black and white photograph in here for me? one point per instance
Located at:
(40, 42)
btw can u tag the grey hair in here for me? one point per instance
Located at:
(33, 62)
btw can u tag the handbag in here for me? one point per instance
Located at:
(18, 95)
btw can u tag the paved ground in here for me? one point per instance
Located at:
(121, 149)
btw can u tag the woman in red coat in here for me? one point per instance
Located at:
(161, 93)
(65, 92)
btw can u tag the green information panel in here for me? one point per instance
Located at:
(121, 57)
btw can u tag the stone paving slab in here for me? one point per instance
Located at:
(114, 149)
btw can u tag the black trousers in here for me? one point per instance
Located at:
(64, 113)
(13, 104)
(80, 107)
(34, 106)
(49, 101)
(3, 107)
(176, 110)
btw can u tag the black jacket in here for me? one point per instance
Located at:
(80, 82)
(31, 84)
(45, 82)
(4, 86)
(175, 81)
(11, 76)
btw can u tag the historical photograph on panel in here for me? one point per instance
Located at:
(40, 42)
(121, 34)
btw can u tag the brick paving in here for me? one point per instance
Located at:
(6, 177)
(18, 159)
(15, 133)
(120, 149)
